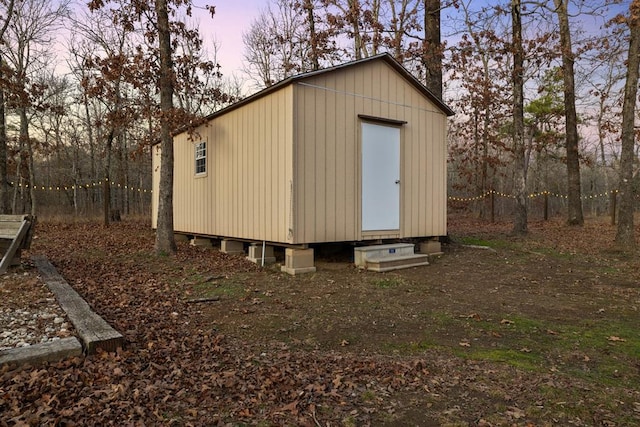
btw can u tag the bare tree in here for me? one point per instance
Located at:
(165, 242)
(625, 237)
(277, 44)
(8, 6)
(28, 42)
(432, 47)
(575, 215)
(520, 176)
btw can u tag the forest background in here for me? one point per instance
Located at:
(81, 101)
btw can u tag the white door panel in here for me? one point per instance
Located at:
(380, 177)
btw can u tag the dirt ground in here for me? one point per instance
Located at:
(500, 330)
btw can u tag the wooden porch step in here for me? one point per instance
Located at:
(389, 263)
(363, 253)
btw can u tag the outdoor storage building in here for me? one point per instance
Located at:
(349, 153)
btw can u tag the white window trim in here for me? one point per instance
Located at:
(200, 153)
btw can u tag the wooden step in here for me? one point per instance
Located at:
(389, 263)
(363, 253)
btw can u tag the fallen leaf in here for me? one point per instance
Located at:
(344, 343)
(515, 412)
(613, 338)
(464, 344)
(507, 322)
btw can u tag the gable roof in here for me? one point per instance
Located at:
(380, 57)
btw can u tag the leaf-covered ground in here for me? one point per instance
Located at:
(529, 331)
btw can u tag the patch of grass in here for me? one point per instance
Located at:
(602, 351)
(607, 351)
(609, 270)
(554, 253)
(388, 282)
(368, 396)
(528, 361)
(476, 241)
(410, 348)
(233, 287)
(350, 421)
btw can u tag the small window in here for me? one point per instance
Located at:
(201, 158)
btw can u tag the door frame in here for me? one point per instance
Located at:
(389, 123)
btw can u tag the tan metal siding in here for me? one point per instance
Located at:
(327, 160)
(249, 167)
(290, 160)
(155, 189)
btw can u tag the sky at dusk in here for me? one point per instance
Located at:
(232, 18)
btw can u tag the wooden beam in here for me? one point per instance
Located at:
(93, 330)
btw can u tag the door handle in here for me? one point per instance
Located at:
(397, 181)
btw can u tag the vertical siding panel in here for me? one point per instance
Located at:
(277, 174)
(155, 184)
(330, 170)
(211, 170)
(345, 145)
(237, 155)
(298, 155)
(424, 174)
(384, 77)
(321, 163)
(290, 140)
(309, 164)
(359, 107)
(440, 125)
(297, 180)
(342, 142)
(231, 180)
(265, 163)
(225, 185)
(298, 167)
(260, 178)
(273, 168)
(248, 192)
(245, 225)
(285, 137)
(436, 169)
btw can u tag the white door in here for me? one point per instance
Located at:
(380, 177)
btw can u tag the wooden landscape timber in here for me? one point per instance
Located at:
(94, 332)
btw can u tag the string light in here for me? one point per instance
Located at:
(81, 186)
(530, 196)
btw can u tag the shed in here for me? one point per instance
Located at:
(351, 153)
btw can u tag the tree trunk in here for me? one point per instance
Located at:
(575, 216)
(625, 237)
(4, 171)
(32, 176)
(106, 200)
(28, 158)
(92, 155)
(432, 55)
(165, 241)
(354, 20)
(315, 54)
(520, 178)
